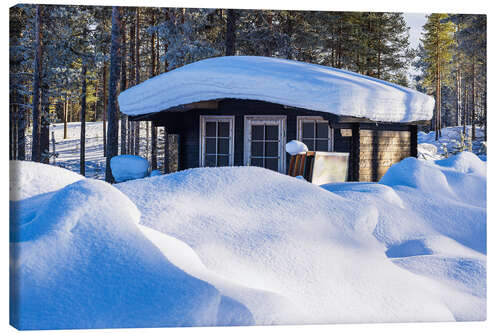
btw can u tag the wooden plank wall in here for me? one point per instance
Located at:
(379, 149)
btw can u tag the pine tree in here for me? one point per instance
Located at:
(35, 150)
(115, 64)
(438, 42)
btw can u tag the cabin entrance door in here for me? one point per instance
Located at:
(265, 142)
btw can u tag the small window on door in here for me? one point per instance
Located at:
(315, 133)
(216, 141)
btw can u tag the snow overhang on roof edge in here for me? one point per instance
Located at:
(281, 81)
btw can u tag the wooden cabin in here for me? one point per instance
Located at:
(224, 117)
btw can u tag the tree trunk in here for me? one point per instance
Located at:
(485, 115)
(473, 113)
(123, 85)
(12, 132)
(83, 111)
(65, 116)
(167, 18)
(458, 93)
(115, 62)
(131, 124)
(137, 124)
(104, 110)
(35, 150)
(154, 69)
(137, 136)
(44, 125)
(230, 32)
(21, 133)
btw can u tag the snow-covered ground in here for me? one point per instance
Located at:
(69, 148)
(450, 142)
(245, 245)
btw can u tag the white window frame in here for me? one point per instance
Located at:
(263, 120)
(317, 119)
(203, 120)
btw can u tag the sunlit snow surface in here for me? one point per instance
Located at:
(280, 81)
(245, 246)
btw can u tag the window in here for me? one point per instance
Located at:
(216, 141)
(264, 141)
(315, 133)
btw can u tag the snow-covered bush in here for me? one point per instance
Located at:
(128, 167)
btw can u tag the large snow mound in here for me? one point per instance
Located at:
(281, 81)
(83, 262)
(432, 220)
(312, 253)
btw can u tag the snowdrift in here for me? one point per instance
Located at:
(245, 246)
(82, 262)
(28, 179)
(281, 81)
(432, 220)
(270, 232)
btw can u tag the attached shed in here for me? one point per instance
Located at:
(235, 111)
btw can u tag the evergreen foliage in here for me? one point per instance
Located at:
(77, 74)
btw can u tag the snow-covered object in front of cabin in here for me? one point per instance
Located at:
(295, 147)
(281, 81)
(83, 262)
(129, 167)
(29, 179)
(155, 173)
(290, 251)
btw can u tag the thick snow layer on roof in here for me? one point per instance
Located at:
(281, 81)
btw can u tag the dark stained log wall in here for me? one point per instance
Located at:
(373, 147)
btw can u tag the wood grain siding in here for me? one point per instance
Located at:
(379, 149)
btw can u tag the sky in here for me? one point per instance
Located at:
(415, 22)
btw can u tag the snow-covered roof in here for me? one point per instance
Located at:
(280, 81)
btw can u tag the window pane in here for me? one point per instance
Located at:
(210, 146)
(257, 149)
(257, 162)
(272, 163)
(272, 132)
(222, 160)
(210, 160)
(223, 146)
(257, 132)
(307, 130)
(210, 128)
(322, 130)
(224, 129)
(321, 145)
(271, 149)
(309, 143)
